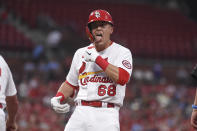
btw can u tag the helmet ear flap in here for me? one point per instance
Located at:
(89, 34)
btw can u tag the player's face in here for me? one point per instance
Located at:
(101, 32)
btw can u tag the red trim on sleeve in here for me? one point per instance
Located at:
(74, 88)
(90, 47)
(123, 77)
(102, 62)
(60, 94)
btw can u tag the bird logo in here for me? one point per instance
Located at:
(97, 14)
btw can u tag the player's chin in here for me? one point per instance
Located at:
(99, 43)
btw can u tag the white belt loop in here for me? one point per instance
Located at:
(117, 107)
(104, 104)
(78, 102)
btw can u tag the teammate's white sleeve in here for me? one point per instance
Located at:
(125, 60)
(73, 74)
(10, 88)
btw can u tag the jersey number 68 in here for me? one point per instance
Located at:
(110, 90)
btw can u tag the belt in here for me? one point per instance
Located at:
(1, 106)
(96, 104)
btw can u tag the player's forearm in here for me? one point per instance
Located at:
(112, 72)
(117, 74)
(66, 90)
(12, 107)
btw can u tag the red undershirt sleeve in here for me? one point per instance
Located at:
(123, 76)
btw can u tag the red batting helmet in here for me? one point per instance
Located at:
(98, 15)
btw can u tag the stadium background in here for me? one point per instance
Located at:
(38, 39)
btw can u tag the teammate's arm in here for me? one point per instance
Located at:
(11, 100)
(194, 112)
(12, 108)
(195, 100)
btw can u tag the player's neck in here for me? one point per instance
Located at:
(103, 46)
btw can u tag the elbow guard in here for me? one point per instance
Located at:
(123, 77)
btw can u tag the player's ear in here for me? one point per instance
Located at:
(112, 29)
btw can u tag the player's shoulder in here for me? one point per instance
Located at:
(1, 57)
(82, 49)
(2, 61)
(120, 47)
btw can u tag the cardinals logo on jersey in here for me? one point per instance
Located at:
(95, 79)
(86, 77)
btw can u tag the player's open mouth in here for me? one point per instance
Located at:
(99, 35)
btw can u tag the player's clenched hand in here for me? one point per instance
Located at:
(90, 54)
(59, 108)
(11, 125)
(194, 119)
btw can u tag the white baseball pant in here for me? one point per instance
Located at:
(87, 118)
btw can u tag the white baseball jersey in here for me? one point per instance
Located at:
(94, 84)
(7, 86)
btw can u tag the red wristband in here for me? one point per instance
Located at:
(60, 94)
(102, 62)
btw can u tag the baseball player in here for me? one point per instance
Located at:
(8, 98)
(194, 106)
(99, 73)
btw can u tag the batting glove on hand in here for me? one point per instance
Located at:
(59, 108)
(90, 54)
